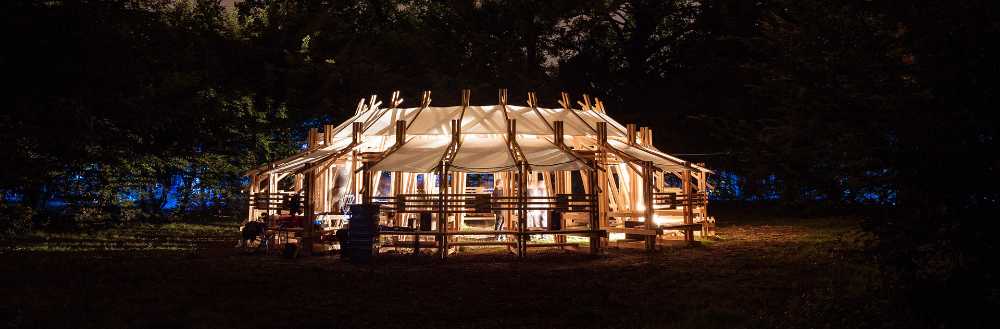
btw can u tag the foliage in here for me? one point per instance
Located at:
(15, 219)
(121, 103)
(122, 109)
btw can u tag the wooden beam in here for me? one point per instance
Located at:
(560, 144)
(596, 193)
(630, 134)
(647, 199)
(328, 134)
(522, 216)
(442, 205)
(313, 139)
(703, 212)
(686, 188)
(565, 101)
(306, 242)
(366, 182)
(397, 176)
(600, 181)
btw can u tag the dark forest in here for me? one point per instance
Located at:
(148, 111)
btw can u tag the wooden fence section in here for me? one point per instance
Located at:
(484, 203)
(670, 201)
(278, 201)
(446, 204)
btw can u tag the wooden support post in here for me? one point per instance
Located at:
(703, 212)
(522, 192)
(630, 128)
(442, 209)
(522, 209)
(356, 129)
(299, 183)
(634, 191)
(313, 132)
(309, 203)
(661, 184)
(443, 181)
(600, 181)
(647, 199)
(559, 181)
(367, 190)
(597, 216)
(509, 192)
(271, 180)
(272, 188)
(366, 183)
(397, 177)
(355, 192)
(327, 135)
(557, 127)
(686, 188)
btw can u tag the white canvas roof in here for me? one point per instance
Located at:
(483, 143)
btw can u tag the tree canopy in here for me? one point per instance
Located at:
(122, 109)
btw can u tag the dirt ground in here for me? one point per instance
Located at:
(767, 273)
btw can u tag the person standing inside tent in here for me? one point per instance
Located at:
(495, 196)
(535, 215)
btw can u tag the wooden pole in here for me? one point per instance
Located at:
(634, 184)
(310, 213)
(311, 138)
(357, 128)
(443, 182)
(299, 183)
(600, 182)
(559, 181)
(366, 182)
(703, 188)
(647, 199)
(686, 187)
(596, 217)
(522, 191)
(442, 212)
(397, 177)
(522, 217)
(630, 128)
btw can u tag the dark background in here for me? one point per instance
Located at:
(121, 111)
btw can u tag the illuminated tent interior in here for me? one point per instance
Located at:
(558, 177)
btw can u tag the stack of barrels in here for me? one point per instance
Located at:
(362, 233)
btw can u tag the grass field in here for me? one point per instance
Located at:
(785, 272)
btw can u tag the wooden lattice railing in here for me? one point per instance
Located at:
(669, 201)
(484, 203)
(277, 201)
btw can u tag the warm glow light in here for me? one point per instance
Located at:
(616, 236)
(667, 220)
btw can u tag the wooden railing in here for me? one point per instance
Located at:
(484, 203)
(278, 201)
(669, 201)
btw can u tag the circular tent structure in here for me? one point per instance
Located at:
(515, 176)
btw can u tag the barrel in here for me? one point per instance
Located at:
(362, 233)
